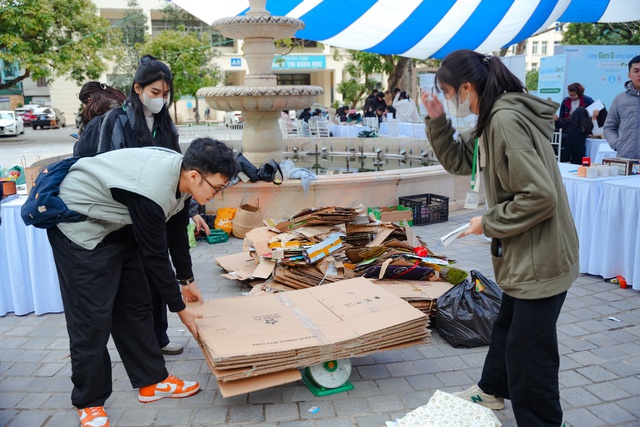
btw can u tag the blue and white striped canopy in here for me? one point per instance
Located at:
(424, 28)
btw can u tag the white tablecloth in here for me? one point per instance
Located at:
(28, 278)
(598, 149)
(347, 131)
(606, 212)
(615, 248)
(412, 130)
(584, 197)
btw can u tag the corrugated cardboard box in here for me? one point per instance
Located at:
(246, 337)
(625, 166)
(392, 213)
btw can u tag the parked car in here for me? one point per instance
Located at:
(26, 113)
(11, 123)
(48, 116)
(233, 118)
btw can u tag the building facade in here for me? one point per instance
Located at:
(311, 64)
(541, 45)
(10, 98)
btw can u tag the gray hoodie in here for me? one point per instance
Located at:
(622, 127)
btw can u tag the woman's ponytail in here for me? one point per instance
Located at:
(499, 80)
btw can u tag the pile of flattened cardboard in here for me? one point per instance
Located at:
(315, 249)
(319, 216)
(254, 343)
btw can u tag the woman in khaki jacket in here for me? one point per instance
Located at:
(534, 244)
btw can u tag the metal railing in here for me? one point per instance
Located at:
(191, 131)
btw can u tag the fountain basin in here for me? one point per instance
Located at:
(369, 188)
(260, 98)
(258, 26)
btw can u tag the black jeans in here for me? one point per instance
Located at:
(159, 311)
(523, 362)
(105, 291)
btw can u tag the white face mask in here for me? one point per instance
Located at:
(153, 104)
(459, 110)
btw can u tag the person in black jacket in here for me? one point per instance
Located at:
(379, 101)
(136, 209)
(142, 121)
(305, 114)
(97, 98)
(575, 131)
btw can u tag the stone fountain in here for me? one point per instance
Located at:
(260, 99)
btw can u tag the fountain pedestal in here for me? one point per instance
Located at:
(260, 100)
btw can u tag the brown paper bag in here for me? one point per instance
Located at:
(31, 172)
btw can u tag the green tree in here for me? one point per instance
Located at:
(360, 66)
(349, 88)
(52, 38)
(133, 34)
(177, 19)
(603, 34)
(190, 59)
(531, 80)
(400, 71)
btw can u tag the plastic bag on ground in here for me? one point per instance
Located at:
(465, 314)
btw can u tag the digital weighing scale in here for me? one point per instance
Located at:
(324, 379)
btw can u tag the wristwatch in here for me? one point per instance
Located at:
(186, 282)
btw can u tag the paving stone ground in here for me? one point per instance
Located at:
(599, 372)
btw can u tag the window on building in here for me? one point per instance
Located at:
(194, 26)
(534, 65)
(41, 82)
(305, 43)
(559, 27)
(293, 79)
(534, 48)
(543, 48)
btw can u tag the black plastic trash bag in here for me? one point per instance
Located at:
(466, 312)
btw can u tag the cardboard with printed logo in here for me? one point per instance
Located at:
(254, 336)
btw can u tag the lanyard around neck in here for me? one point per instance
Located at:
(474, 166)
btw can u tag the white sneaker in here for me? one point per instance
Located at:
(94, 416)
(476, 395)
(172, 349)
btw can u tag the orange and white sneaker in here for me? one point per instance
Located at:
(93, 417)
(171, 387)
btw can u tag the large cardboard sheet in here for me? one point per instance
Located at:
(323, 315)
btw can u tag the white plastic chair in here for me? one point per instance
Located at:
(556, 143)
(288, 129)
(302, 128)
(319, 128)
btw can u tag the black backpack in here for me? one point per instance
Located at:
(44, 208)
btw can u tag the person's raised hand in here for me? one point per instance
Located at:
(432, 104)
